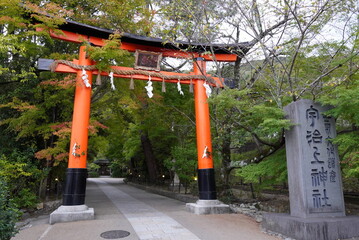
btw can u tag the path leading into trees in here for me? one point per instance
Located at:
(144, 215)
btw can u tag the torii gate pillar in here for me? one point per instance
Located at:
(73, 207)
(207, 203)
(206, 179)
(76, 174)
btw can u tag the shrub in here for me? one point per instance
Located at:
(8, 213)
(26, 199)
(93, 174)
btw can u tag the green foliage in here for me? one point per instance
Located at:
(273, 170)
(110, 54)
(343, 95)
(93, 170)
(264, 119)
(349, 147)
(183, 162)
(9, 214)
(117, 169)
(93, 167)
(26, 198)
(133, 142)
(125, 15)
(11, 170)
(268, 120)
(21, 177)
(249, 123)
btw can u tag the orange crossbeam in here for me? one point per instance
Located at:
(67, 69)
(131, 47)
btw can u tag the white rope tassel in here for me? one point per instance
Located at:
(208, 89)
(149, 87)
(179, 88)
(111, 81)
(85, 78)
(205, 152)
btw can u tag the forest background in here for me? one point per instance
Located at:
(295, 49)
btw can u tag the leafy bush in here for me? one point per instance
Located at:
(117, 171)
(272, 170)
(93, 170)
(20, 177)
(183, 162)
(119, 168)
(93, 174)
(26, 198)
(8, 213)
(93, 167)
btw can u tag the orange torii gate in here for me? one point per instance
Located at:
(75, 186)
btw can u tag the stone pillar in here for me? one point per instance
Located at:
(74, 207)
(207, 203)
(314, 178)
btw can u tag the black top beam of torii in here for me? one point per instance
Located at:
(88, 30)
(79, 32)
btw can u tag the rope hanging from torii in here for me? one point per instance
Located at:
(133, 72)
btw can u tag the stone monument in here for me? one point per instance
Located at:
(317, 209)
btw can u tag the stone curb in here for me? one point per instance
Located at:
(178, 196)
(46, 207)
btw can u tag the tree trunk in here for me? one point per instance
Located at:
(133, 169)
(50, 163)
(149, 157)
(42, 188)
(252, 190)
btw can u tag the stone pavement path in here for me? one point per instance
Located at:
(145, 220)
(144, 215)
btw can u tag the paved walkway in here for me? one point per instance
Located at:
(143, 215)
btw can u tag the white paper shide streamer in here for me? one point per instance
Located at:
(149, 88)
(85, 78)
(205, 152)
(208, 89)
(111, 81)
(179, 88)
(74, 150)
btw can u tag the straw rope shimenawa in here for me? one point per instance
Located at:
(133, 72)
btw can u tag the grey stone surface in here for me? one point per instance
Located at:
(145, 220)
(108, 218)
(329, 228)
(314, 177)
(208, 207)
(71, 213)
